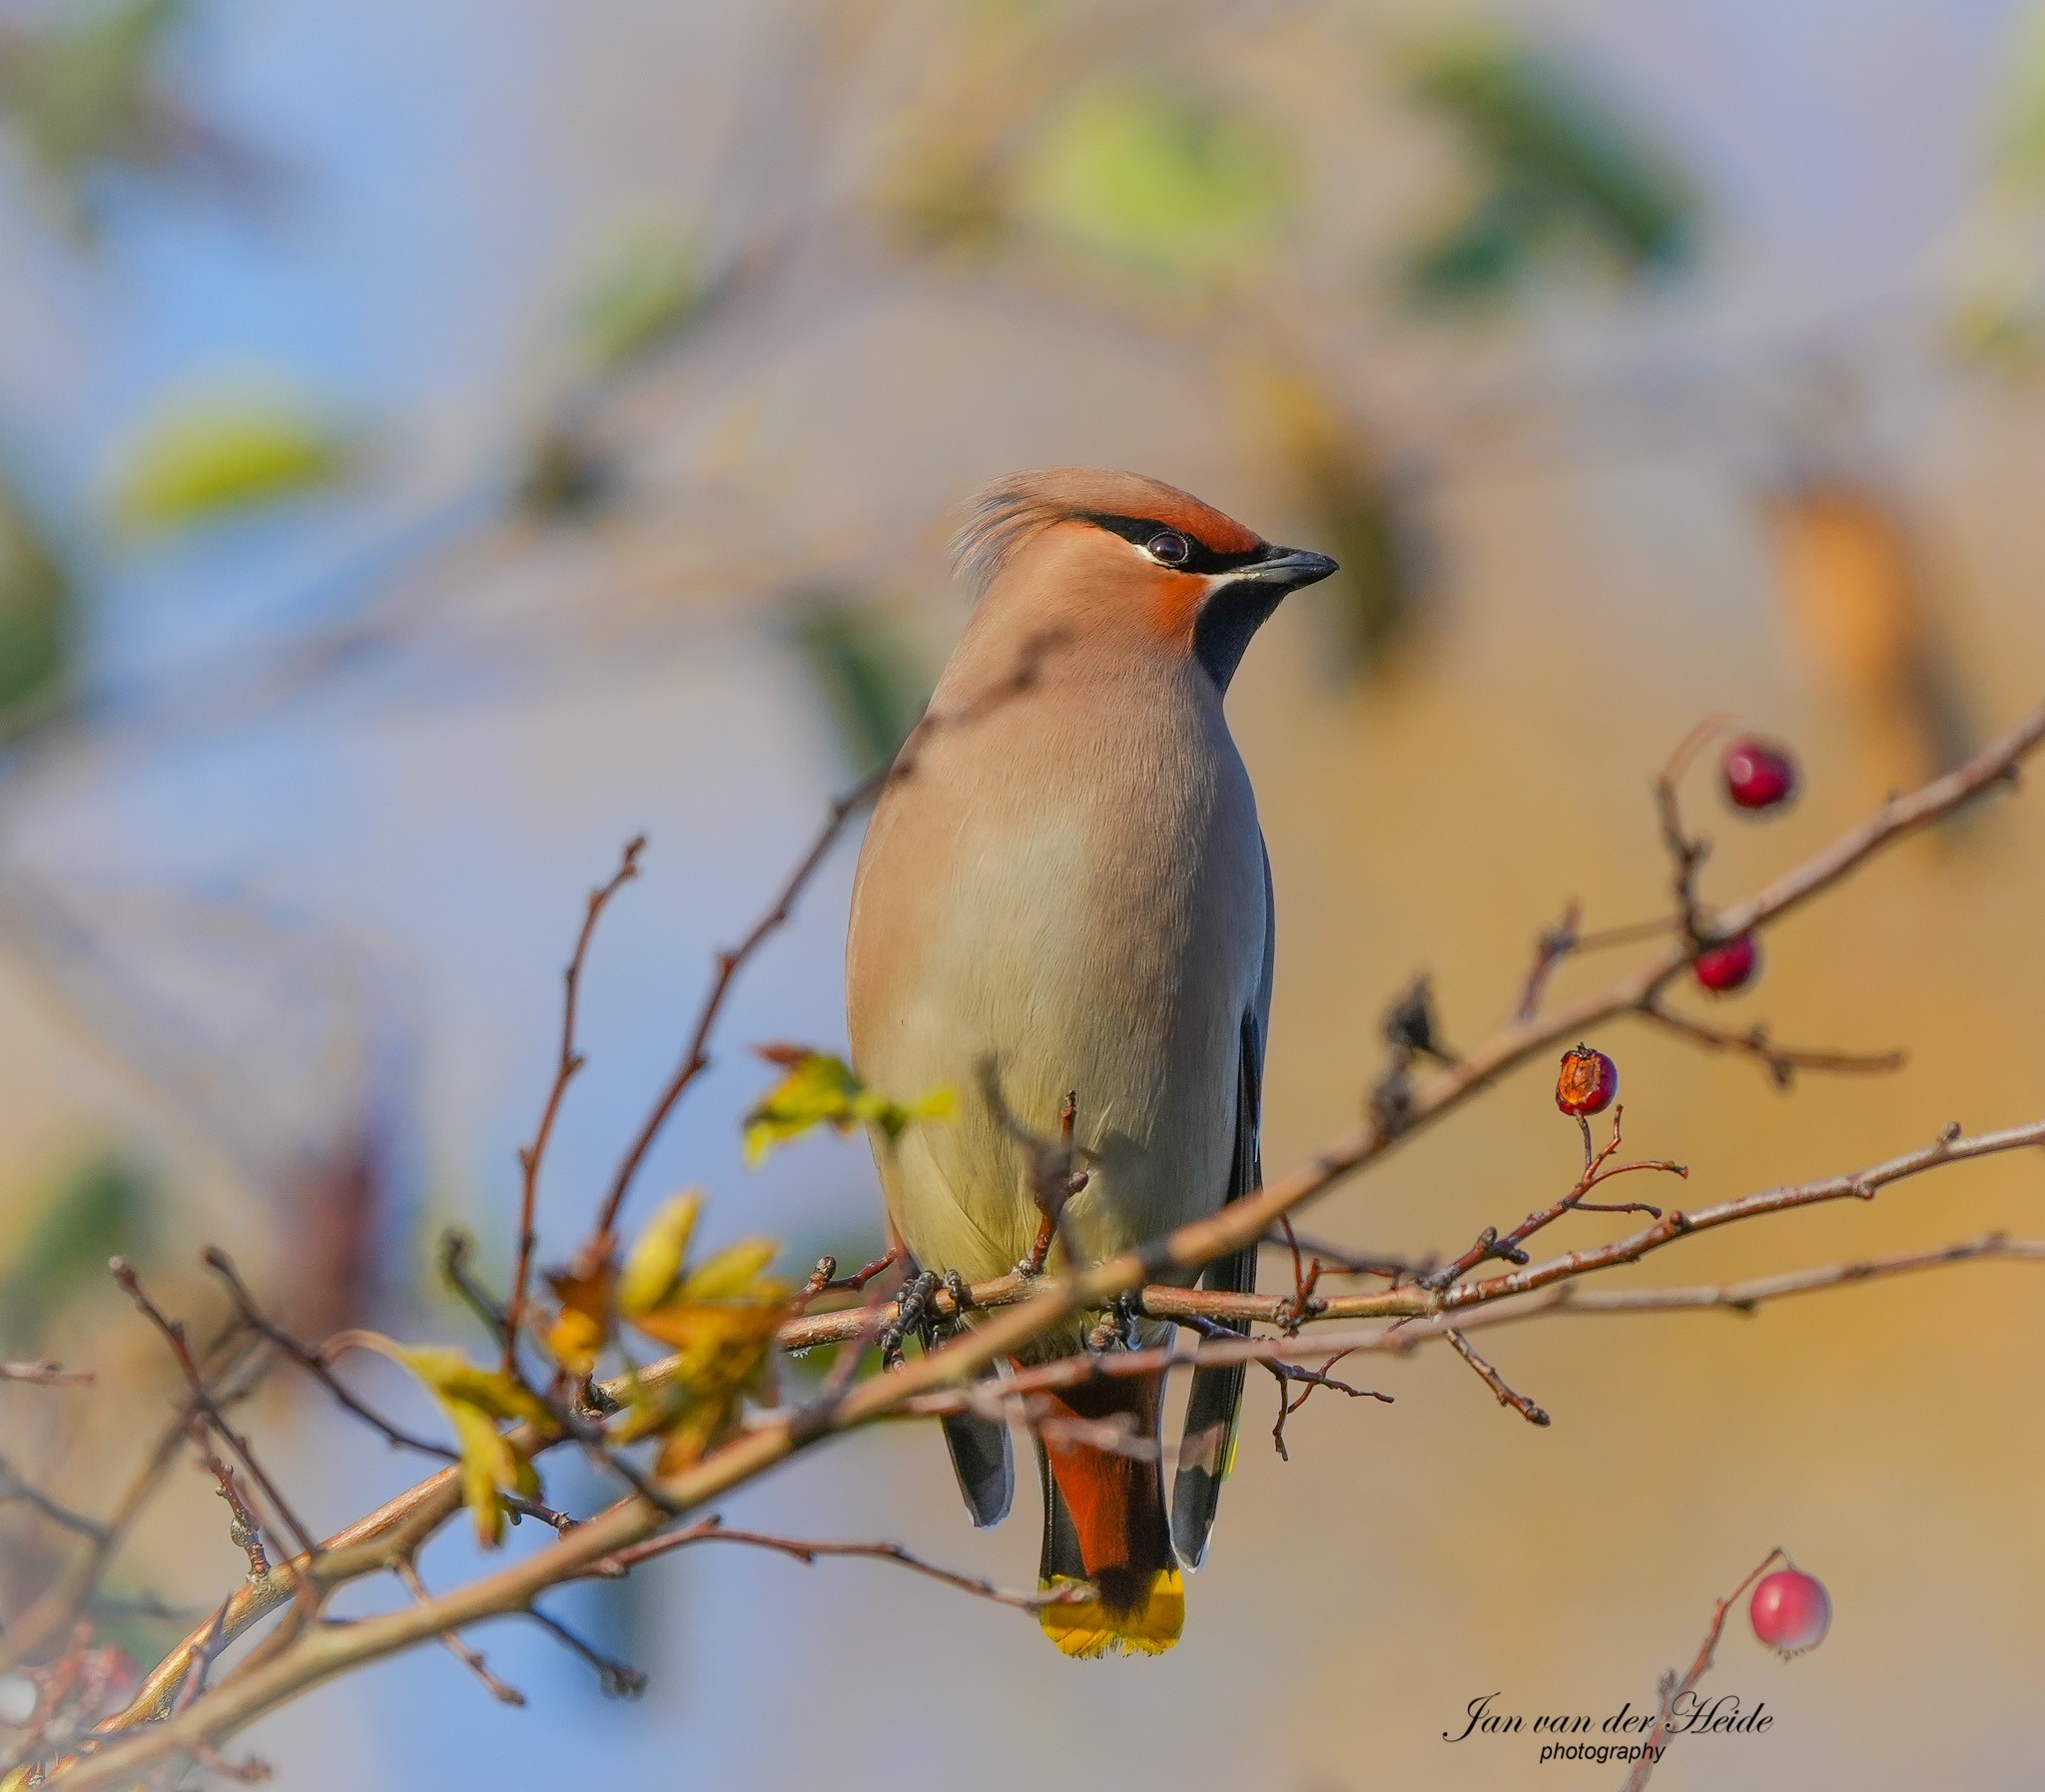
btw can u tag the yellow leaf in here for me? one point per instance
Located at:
(733, 1274)
(489, 1469)
(654, 1264)
(222, 449)
(583, 1327)
(475, 1400)
(724, 1353)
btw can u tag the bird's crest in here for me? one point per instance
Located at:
(1003, 516)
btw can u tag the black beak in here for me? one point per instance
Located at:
(1287, 567)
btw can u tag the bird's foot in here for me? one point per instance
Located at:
(1117, 1327)
(912, 1314)
(960, 1290)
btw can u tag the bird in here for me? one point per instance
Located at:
(1062, 913)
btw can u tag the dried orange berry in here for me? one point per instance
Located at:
(1586, 1081)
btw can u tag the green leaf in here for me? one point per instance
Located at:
(218, 451)
(37, 597)
(819, 1089)
(2023, 145)
(1554, 155)
(872, 679)
(81, 92)
(103, 1210)
(1153, 174)
(643, 292)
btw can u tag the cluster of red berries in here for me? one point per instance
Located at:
(1759, 778)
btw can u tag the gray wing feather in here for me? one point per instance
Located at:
(1214, 1406)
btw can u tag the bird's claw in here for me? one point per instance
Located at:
(912, 1316)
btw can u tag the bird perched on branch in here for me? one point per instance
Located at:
(1063, 913)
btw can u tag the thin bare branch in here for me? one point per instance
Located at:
(45, 1373)
(811, 1550)
(1672, 1688)
(1507, 1397)
(1780, 1061)
(567, 1065)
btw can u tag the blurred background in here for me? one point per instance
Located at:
(438, 442)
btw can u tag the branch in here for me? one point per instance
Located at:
(1672, 1689)
(1037, 1305)
(46, 1373)
(727, 965)
(809, 1551)
(570, 1062)
(315, 1363)
(1781, 1061)
(1494, 1380)
(731, 959)
(203, 1402)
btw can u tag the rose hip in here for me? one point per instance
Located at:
(1790, 1611)
(1723, 969)
(1586, 1081)
(1759, 777)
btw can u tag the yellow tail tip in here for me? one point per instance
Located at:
(1086, 1629)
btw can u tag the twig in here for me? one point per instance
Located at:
(619, 1680)
(500, 1690)
(727, 964)
(1507, 1397)
(1672, 1689)
(1341, 1260)
(1780, 1061)
(1182, 1305)
(728, 960)
(1598, 1168)
(58, 1604)
(1747, 1297)
(453, 1264)
(244, 1530)
(1686, 854)
(810, 1550)
(202, 1400)
(13, 1489)
(314, 1361)
(45, 1373)
(565, 1067)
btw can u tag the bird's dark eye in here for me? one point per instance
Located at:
(1167, 547)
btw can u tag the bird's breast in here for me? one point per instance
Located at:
(1054, 897)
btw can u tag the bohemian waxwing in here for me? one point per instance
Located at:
(1065, 889)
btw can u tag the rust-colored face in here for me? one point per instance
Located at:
(1194, 579)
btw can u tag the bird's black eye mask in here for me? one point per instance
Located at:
(1199, 557)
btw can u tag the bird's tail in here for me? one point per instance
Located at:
(1104, 1522)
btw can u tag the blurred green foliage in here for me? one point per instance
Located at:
(1377, 594)
(101, 1211)
(1139, 173)
(1558, 163)
(866, 670)
(640, 294)
(36, 598)
(2023, 138)
(82, 93)
(224, 449)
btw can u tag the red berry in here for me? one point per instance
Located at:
(1586, 1081)
(1790, 1611)
(1758, 776)
(1723, 969)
